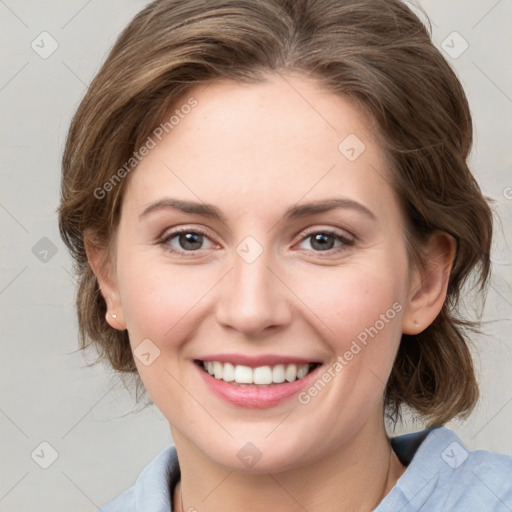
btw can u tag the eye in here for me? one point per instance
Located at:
(185, 240)
(323, 241)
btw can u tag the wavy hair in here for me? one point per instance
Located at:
(376, 52)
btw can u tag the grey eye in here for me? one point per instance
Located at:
(187, 241)
(324, 241)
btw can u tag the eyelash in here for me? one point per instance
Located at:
(345, 241)
(173, 234)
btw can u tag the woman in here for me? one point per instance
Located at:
(272, 215)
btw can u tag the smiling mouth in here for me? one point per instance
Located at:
(260, 376)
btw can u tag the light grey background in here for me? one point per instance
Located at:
(48, 394)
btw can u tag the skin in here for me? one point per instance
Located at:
(253, 151)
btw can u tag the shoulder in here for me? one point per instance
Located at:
(468, 471)
(152, 489)
(445, 475)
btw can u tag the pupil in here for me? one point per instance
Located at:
(323, 242)
(191, 241)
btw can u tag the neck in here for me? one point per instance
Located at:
(355, 476)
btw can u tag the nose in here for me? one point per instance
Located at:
(254, 300)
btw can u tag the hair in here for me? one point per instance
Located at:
(377, 53)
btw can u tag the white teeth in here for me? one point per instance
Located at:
(229, 372)
(278, 374)
(217, 370)
(260, 376)
(291, 372)
(243, 374)
(302, 371)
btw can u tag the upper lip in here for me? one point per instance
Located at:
(255, 361)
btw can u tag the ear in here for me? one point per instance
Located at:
(427, 291)
(104, 270)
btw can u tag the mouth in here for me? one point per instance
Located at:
(267, 376)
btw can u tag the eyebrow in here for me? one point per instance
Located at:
(204, 209)
(325, 205)
(300, 210)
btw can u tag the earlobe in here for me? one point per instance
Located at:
(107, 282)
(429, 285)
(115, 321)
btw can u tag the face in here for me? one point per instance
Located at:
(261, 239)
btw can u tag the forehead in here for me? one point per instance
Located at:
(264, 144)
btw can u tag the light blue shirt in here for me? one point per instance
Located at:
(442, 475)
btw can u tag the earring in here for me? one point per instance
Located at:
(114, 316)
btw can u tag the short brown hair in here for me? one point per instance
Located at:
(376, 52)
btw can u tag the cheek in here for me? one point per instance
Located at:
(359, 315)
(161, 304)
(349, 299)
(160, 299)
(358, 310)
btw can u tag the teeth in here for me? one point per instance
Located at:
(260, 376)
(291, 372)
(278, 374)
(228, 373)
(243, 375)
(217, 370)
(302, 372)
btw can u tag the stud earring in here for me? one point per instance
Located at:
(114, 316)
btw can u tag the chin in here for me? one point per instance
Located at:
(260, 457)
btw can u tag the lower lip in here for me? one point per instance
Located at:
(253, 397)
